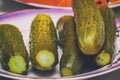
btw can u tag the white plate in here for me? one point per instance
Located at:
(22, 19)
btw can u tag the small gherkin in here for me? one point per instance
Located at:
(105, 57)
(110, 28)
(14, 56)
(89, 26)
(71, 62)
(43, 43)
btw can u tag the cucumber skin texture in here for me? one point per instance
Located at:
(42, 37)
(68, 41)
(11, 44)
(89, 26)
(110, 28)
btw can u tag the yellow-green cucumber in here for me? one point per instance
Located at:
(89, 26)
(43, 43)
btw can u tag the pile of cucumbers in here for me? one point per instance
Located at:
(89, 35)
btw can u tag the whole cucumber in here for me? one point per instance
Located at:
(70, 63)
(14, 56)
(104, 57)
(43, 43)
(110, 28)
(89, 26)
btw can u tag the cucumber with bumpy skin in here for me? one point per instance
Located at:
(70, 63)
(43, 43)
(14, 56)
(104, 57)
(110, 28)
(89, 26)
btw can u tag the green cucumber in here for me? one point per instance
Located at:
(104, 57)
(89, 26)
(43, 43)
(70, 63)
(14, 56)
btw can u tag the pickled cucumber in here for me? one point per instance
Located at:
(110, 28)
(70, 63)
(104, 57)
(14, 56)
(43, 43)
(89, 26)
